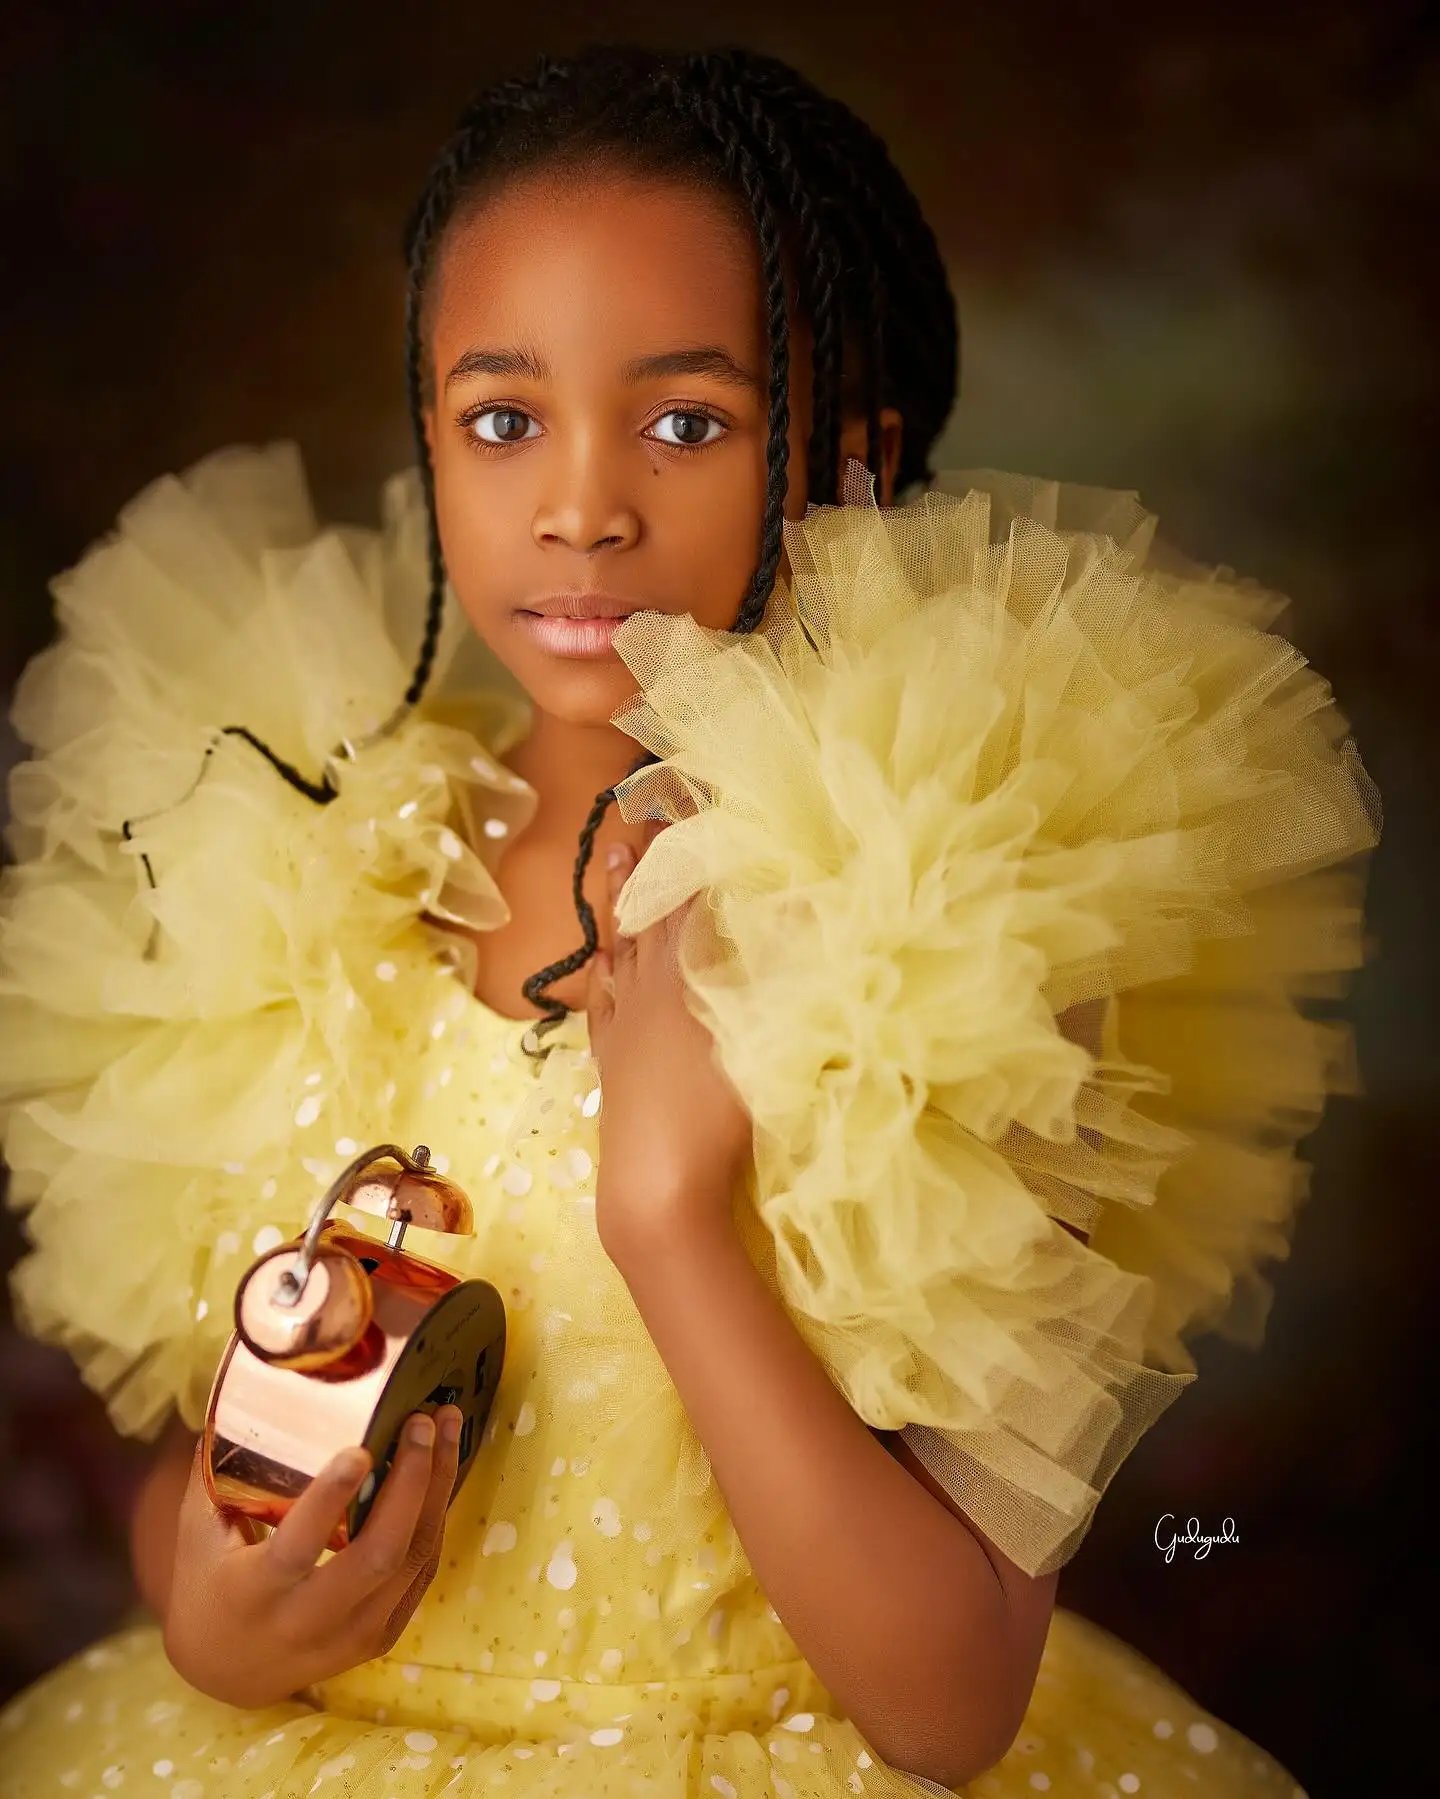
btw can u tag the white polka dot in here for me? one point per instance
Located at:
(268, 1237)
(562, 1572)
(517, 1179)
(606, 1738)
(113, 1777)
(409, 809)
(612, 1660)
(495, 827)
(579, 1392)
(722, 1786)
(346, 1146)
(779, 1699)
(162, 1768)
(418, 1762)
(227, 1243)
(590, 1105)
(307, 1112)
(801, 1721)
(862, 1760)
(450, 845)
(1163, 1727)
(545, 1689)
(500, 1539)
(577, 1163)
(525, 1420)
(642, 1532)
(233, 1167)
(412, 1671)
(419, 1740)
(202, 1309)
(1203, 1738)
(605, 1516)
(440, 1163)
(335, 1767)
(1129, 1783)
(437, 1030)
(557, 1468)
(385, 971)
(1040, 1782)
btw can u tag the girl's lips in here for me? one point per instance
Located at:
(571, 636)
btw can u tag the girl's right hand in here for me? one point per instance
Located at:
(252, 1622)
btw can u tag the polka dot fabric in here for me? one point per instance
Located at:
(571, 1643)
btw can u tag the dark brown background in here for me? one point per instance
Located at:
(1192, 254)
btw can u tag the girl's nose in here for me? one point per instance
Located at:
(586, 519)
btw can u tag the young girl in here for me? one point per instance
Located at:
(973, 1085)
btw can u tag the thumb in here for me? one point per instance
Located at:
(210, 1530)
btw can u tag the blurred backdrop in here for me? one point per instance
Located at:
(1193, 252)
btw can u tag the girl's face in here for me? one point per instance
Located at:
(599, 422)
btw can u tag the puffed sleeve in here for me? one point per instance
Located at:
(208, 981)
(994, 765)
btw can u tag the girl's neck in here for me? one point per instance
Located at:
(569, 765)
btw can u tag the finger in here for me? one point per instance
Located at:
(618, 864)
(382, 1548)
(425, 1545)
(206, 1530)
(600, 991)
(303, 1534)
(445, 1465)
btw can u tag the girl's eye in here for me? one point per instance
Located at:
(688, 429)
(503, 425)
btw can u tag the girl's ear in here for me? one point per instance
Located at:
(853, 442)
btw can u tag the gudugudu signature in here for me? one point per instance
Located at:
(1228, 1534)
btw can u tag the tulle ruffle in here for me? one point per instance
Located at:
(1024, 847)
(198, 963)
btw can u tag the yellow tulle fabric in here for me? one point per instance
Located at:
(986, 779)
(1019, 859)
(195, 958)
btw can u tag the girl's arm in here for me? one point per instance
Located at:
(927, 1636)
(155, 1520)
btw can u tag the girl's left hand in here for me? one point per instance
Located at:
(675, 1138)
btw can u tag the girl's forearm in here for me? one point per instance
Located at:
(154, 1522)
(892, 1599)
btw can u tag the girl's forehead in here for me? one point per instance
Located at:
(583, 255)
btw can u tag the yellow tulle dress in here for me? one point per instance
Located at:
(1026, 850)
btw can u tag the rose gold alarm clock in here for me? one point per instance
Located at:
(339, 1338)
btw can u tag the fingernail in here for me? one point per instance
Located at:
(616, 855)
(451, 1423)
(421, 1430)
(350, 1464)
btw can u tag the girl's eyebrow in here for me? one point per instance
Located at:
(526, 364)
(714, 361)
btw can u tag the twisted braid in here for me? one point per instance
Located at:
(801, 162)
(708, 99)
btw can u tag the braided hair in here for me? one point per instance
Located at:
(823, 199)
